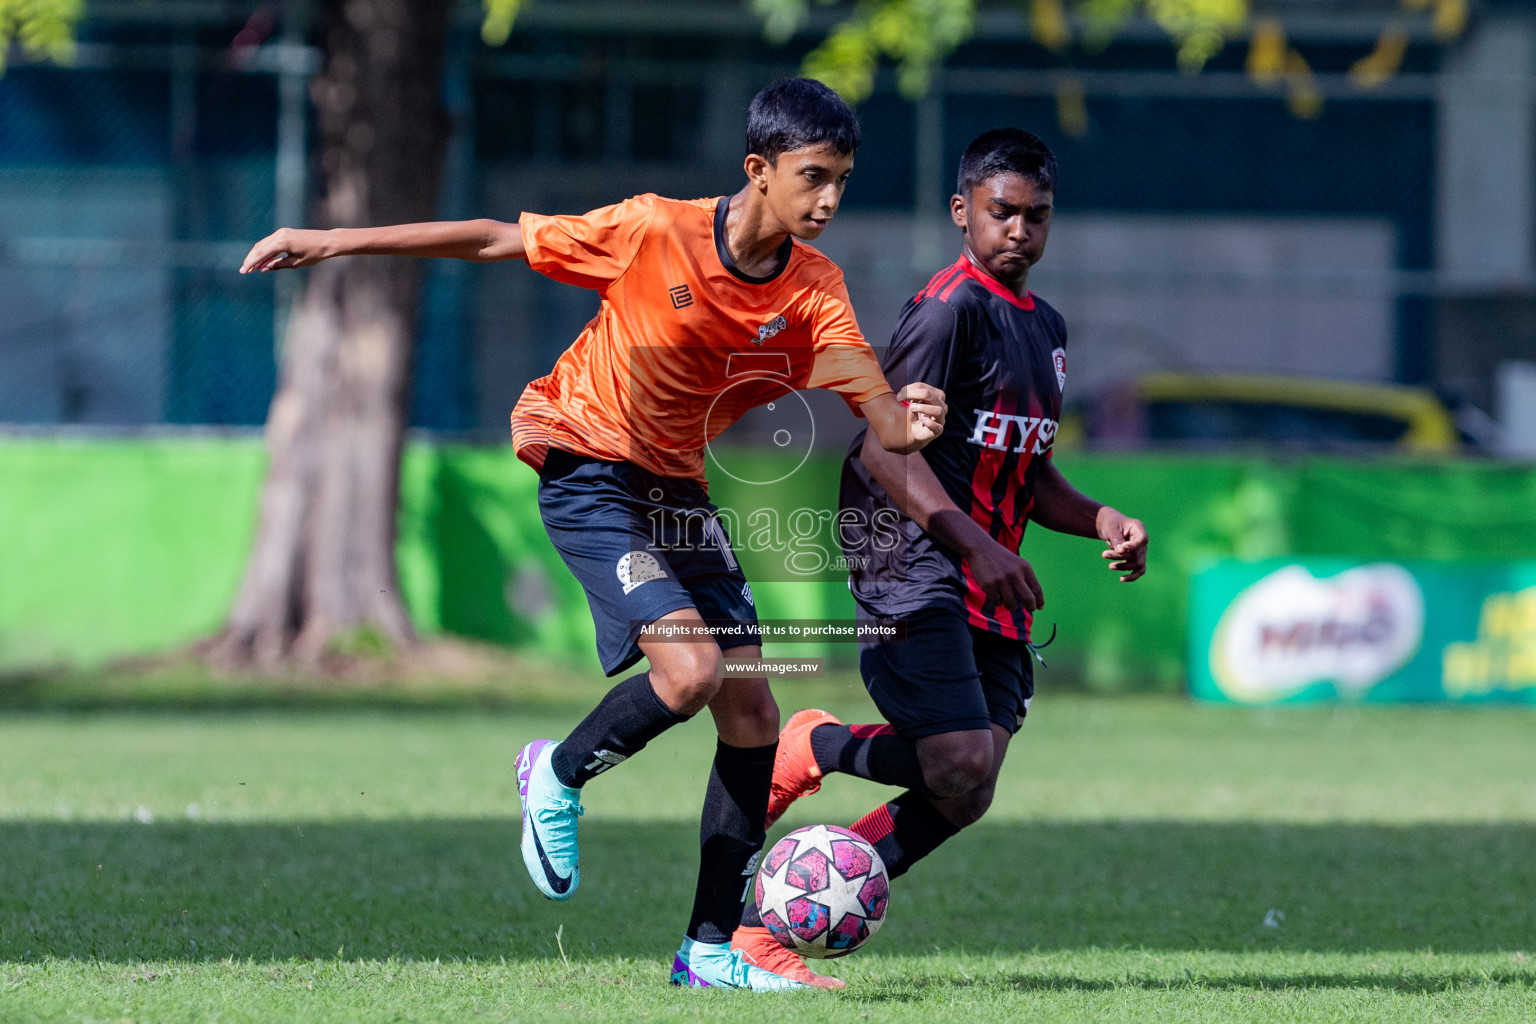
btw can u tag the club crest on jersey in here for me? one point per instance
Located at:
(1059, 361)
(1002, 431)
(771, 328)
(637, 567)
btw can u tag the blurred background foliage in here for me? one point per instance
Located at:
(44, 28)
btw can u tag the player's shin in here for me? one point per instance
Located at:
(905, 831)
(873, 752)
(624, 721)
(731, 836)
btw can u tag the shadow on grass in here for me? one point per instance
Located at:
(456, 889)
(524, 686)
(521, 684)
(1434, 979)
(512, 682)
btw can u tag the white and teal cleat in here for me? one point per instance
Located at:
(550, 811)
(717, 965)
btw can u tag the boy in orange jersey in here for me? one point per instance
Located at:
(690, 290)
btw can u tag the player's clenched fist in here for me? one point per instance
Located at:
(925, 411)
(286, 248)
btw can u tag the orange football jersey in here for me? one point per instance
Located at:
(684, 343)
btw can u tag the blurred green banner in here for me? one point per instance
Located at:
(115, 547)
(1291, 631)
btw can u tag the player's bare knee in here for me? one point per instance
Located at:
(761, 716)
(959, 770)
(955, 762)
(942, 785)
(695, 697)
(689, 678)
(746, 713)
(951, 781)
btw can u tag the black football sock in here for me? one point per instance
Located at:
(751, 917)
(731, 835)
(624, 721)
(870, 752)
(904, 831)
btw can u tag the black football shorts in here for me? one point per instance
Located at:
(642, 545)
(947, 676)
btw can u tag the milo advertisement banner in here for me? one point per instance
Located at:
(1296, 630)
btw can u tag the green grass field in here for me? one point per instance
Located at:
(175, 859)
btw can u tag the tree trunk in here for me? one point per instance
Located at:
(323, 564)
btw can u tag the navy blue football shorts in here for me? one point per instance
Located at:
(642, 545)
(947, 676)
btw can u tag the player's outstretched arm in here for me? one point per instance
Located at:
(909, 480)
(908, 420)
(479, 240)
(1061, 507)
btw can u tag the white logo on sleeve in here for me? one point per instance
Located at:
(1059, 361)
(637, 567)
(746, 592)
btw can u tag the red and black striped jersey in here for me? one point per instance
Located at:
(1001, 362)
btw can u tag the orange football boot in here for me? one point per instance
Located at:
(763, 950)
(795, 773)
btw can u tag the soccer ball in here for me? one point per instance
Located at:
(822, 891)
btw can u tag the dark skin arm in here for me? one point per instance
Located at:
(910, 482)
(1061, 507)
(1001, 574)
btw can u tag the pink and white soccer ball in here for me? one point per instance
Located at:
(822, 891)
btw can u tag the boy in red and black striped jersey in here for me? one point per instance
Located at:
(956, 688)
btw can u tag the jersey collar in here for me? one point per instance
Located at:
(785, 251)
(993, 285)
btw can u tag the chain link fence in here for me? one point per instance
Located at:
(1201, 224)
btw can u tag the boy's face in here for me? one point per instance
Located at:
(1006, 219)
(803, 187)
